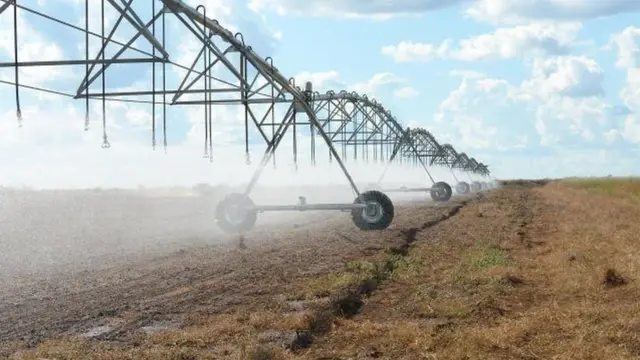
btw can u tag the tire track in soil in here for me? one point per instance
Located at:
(522, 209)
(524, 217)
(350, 302)
(410, 235)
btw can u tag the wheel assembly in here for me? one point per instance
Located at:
(377, 215)
(441, 192)
(463, 188)
(236, 213)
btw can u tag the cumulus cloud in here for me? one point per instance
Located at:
(331, 80)
(519, 11)
(485, 10)
(560, 101)
(406, 92)
(463, 117)
(32, 46)
(627, 43)
(408, 51)
(322, 80)
(630, 95)
(532, 40)
(352, 8)
(371, 86)
(572, 76)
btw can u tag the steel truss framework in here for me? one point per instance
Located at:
(226, 71)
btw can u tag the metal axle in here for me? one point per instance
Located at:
(307, 207)
(406, 189)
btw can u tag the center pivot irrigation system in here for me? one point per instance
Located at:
(228, 72)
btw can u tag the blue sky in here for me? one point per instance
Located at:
(532, 88)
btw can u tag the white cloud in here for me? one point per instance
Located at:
(628, 45)
(611, 136)
(560, 102)
(631, 130)
(32, 46)
(563, 118)
(562, 163)
(407, 51)
(380, 10)
(462, 118)
(406, 92)
(567, 94)
(532, 40)
(370, 87)
(519, 11)
(322, 81)
(331, 80)
(630, 95)
(573, 76)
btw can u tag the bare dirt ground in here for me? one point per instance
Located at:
(111, 263)
(531, 271)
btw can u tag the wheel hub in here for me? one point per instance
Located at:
(441, 191)
(235, 213)
(373, 212)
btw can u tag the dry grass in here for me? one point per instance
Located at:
(524, 273)
(628, 187)
(546, 276)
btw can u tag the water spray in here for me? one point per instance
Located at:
(228, 72)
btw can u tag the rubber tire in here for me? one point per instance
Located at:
(387, 211)
(463, 188)
(441, 198)
(476, 186)
(246, 224)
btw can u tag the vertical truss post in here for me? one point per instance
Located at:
(105, 141)
(86, 66)
(15, 54)
(153, 84)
